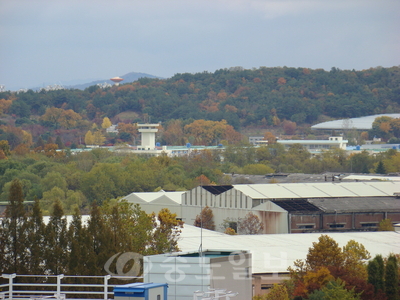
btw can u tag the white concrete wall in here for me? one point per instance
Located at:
(234, 205)
(234, 274)
(156, 291)
(184, 275)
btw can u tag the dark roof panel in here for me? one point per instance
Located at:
(296, 205)
(358, 204)
(217, 189)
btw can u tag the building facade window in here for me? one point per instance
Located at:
(336, 225)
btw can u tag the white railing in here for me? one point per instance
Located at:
(39, 288)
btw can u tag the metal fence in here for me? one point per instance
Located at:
(23, 287)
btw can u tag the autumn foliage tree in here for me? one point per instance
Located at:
(250, 224)
(211, 132)
(205, 219)
(327, 262)
(106, 123)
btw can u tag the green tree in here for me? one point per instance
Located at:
(257, 169)
(375, 270)
(56, 242)
(59, 142)
(39, 143)
(386, 225)
(36, 240)
(15, 230)
(360, 162)
(54, 179)
(5, 147)
(277, 292)
(392, 278)
(55, 194)
(79, 249)
(334, 290)
(380, 168)
(98, 241)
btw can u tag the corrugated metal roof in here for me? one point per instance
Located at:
(335, 189)
(357, 123)
(273, 191)
(250, 190)
(319, 189)
(356, 204)
(372, 177)
(305, 190)
(276, 252)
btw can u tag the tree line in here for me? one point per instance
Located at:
(30, 246)
(79, 179)
(257, 98)
(330, 272)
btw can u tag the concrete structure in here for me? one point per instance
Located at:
(149, 147)
(361, 123)
(148, 132)
(310, 145)
(188, 272)
(255, 139)
(116, 80)
(141, 291)
(272, 254)
(112, 129)
(317, 145)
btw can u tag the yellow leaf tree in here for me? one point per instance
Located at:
(106, 123)
(68, 119)
(89, 138)
(99, 138)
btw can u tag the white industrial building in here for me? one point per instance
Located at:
(272, 254)
(361, 123)
(281, 207)
(334, 142)
(284, 207)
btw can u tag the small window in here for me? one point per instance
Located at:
(369, 225)
(158, 297)
(306, 226)
(336, 225)
(266, 286)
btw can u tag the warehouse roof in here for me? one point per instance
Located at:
(364, 204)
(362, 123)
(319, 189)
(273, 253)
(155, 197)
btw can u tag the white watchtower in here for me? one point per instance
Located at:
(148, 132)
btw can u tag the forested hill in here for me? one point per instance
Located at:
(242, 97)
(128, 78)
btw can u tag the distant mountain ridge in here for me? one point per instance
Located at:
(129, 77)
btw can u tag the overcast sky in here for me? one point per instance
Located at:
(48, 41)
